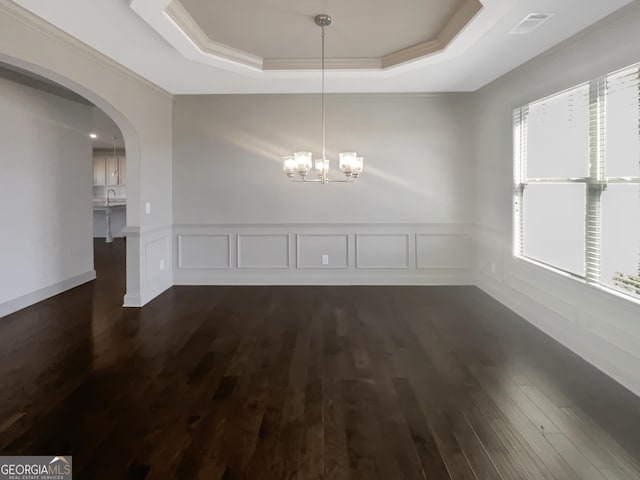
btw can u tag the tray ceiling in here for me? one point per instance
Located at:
(280, 34)
(142, 36)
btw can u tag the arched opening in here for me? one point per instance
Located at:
(65, 272)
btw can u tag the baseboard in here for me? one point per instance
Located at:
(387, 278)
(542, 317)
(132, 300)
(154, 292)
(32, 298)
(135, 300)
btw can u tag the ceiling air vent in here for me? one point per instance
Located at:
(529, 23)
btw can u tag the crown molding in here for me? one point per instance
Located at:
(352, 95)
(460, 20)
(316, 63)
(412, 53)
(21, 14)
(456, 24)
(185, 22)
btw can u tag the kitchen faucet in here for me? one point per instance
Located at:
(108, 192)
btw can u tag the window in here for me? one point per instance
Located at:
(577, 181)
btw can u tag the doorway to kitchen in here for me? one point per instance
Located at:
(109, 202)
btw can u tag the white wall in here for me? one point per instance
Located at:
(46, 241)
(228, 158)
(252, 225)
(601, 327)
(142, 112)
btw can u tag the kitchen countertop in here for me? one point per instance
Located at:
(102, 204)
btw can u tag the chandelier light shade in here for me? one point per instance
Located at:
(298, 166)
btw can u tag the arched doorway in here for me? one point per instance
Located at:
(58, 144)
(142, 111)
(63, 229)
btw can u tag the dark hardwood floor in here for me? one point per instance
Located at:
(307, 383)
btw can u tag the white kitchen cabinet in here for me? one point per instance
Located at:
(99, 170)
(112, 170)
(109, 170)
(122, 170)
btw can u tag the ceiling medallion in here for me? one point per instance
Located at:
(301, 163)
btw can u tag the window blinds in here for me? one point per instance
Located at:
(588, 135)
(620, 202)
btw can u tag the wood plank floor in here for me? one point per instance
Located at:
(306, 383)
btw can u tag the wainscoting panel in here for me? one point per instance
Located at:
(150, 252)
(204, 251)
(291, 254)
(382, 250)
(155, 255)
(268, 251)
(157, 261)
(442, 251)
(311, 248)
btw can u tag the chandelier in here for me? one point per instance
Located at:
(301, 163)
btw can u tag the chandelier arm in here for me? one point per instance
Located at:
(318, 180)
(347, 180)
(294, 180)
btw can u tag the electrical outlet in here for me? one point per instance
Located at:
(147, 208)
(325, 259)
(493, 268)
(162, 264)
